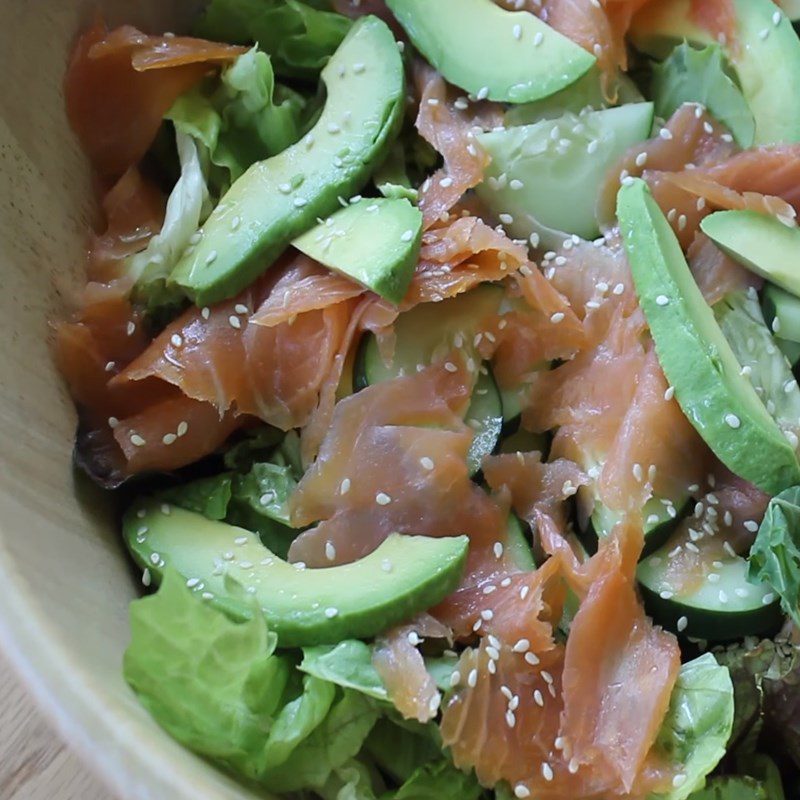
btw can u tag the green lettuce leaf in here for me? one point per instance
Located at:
(354, 780)
(439, 781)
(254, 446)
(259, 503)
(733, 787)
(213, 684)
(219, 688)
(775, 554)
(240, 117)
(401, 747)
(187, 206)
(207, 496)
(698, 724)
(299, 38)
(333, 743)
(690, 75)
(347, 664)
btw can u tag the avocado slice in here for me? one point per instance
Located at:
(374, 241)
(696, 357)
(782, 315)
(231, 569)
(766, 57)
(760, 242)
(546, 178)
(509, 56)
(279, 198)
(730, 607)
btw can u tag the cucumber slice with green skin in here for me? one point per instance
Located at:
(548, 176)
(485, 417)
(230, 568)
(518, 544)
(729, 607)
(428, 333)
(782, 315)
(660, 521)
(522, 441)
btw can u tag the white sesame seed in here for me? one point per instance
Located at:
(666, 594)
(538, 39)
(240, 540)
(146, 577)
(330, 551)
(497, 548)
(331, 612)
(205, 313)
(750, 525)
(547, 771)
(517, 31)
(768, 598)
(521, 791)
(665, 134)
(407, 236)
(713, 577)
(641, 159)
(531, 658)
(669, 394)
(538, 698)
(169, 438)
(382, 499)
(683, 622)
(450, 367)
(472, 678)
(130, 328)
(234, 322)
(557, 317)
(662, 300)
(679, 780)
(591, 148)
(763, 34)
(111, 365)
(137, 441)
(521, 646)
(573, 766)
(344, 486)
(732, 421)
(386, 565)
(183, 427)
(154, 559)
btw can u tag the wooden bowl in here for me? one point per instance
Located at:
(65, 581)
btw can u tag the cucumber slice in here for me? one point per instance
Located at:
(518, 544)
(547, 176)
(782, 315)
(660, 521)
(485, 417)
(727, 607)
(522, 441)
(426, 334)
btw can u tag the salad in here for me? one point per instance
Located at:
(442, 358)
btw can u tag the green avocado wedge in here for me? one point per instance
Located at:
(374, 241)
(765, 56)
(281, 197)
(231, 569)
(782, 314)
(696, 357)
(494, 54)
(760, 242)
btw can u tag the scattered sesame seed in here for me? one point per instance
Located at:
(382, 499)
(670, 393)
(768, 598)
(330, 551)
(137, 441)
(531, 658)
(538, 39)
(205, 313)
(407, 236)
(679, 780)
(146, 577)
(386, 565)
(331, 612)
(169, 438)
(547, 771)
(517, 31)
(538, 698)
(557, 317)
(732, 421)
(183, 427)
(472, 678)
(763, 34)
(427, 463)
(344, 486)
(641, 159)
(450, 366)
(130, 328)
(683, 623)
(497, 548)
(666, 594)
(234, 322)
(750, 525)
(521, 791)
(662, 300)
(521, 646)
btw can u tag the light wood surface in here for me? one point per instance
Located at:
(34, 763)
